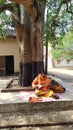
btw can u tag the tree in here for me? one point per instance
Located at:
(58, 20)
(68, 45)
(65, 49)
(27, 19)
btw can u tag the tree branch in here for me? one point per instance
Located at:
(10, 8)
(69, 11)
(32, 8)
(6, 7)
(54, 21)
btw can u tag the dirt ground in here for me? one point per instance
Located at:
(65, 74)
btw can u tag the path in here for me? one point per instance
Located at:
(65, 74)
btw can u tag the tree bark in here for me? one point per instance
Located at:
(30, 34)
(25, 51)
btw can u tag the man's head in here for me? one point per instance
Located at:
(43, 75)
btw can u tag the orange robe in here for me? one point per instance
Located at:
(40, 80)
(41, 86)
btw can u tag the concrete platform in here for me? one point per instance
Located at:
(5, 83)
(37, 120)
(18, 114)
(12, 101)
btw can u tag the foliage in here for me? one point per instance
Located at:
(5, 23)
(2, 1)
(64, 50)
(68, 45)
(58, 21)
(68, 38)
(57, 51)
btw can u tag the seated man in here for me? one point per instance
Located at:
(43, 86)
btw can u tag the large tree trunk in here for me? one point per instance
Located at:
(30, 34)
(37, 51)
(23, 32)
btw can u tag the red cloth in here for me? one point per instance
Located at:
(34, 99)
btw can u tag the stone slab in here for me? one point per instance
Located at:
(20, 105)
(5, 83)
(37, 119)
(64, 127)
(17, 89)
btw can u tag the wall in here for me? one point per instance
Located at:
(55, 63)
(10, 47)
(63, 63)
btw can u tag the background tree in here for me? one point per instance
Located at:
(64, 50)
(27, 19)
(58, 21)
(67, 46)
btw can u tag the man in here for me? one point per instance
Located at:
(43, 86)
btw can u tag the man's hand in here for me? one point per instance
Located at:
(39, 86)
